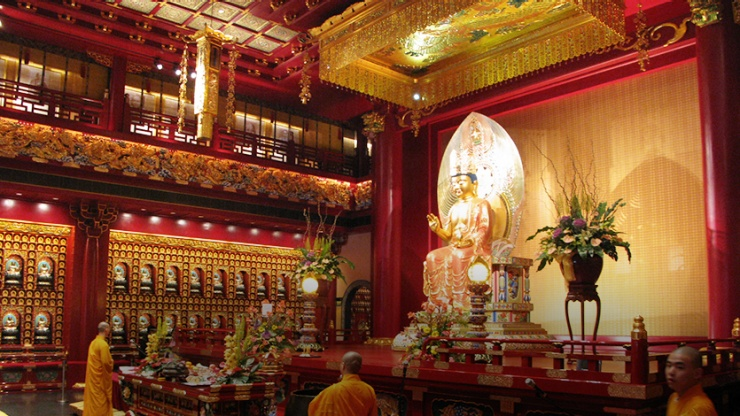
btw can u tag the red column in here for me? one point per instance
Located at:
(718, 60)
(85, 306)
(386, 243)
(116, 94)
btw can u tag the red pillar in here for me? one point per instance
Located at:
(718, 60)
(386, 243)
(116, 100)
(85, 307)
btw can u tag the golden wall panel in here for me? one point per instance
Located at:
(34, 267)
(643, 136)
(195, 298)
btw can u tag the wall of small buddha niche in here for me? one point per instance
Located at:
(189, 283)
(34, 261)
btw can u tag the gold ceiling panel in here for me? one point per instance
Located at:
(394, 49)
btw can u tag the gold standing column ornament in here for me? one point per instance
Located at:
(705, 12)
(207, 69)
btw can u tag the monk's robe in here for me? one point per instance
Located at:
(349, 397)
(693, 402)
(98, 382)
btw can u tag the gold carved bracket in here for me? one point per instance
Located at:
(412, 118)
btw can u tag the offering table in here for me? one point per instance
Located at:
(150, 396)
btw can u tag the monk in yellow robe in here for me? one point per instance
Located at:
(350, 397)
(468, 233)
(98, 398)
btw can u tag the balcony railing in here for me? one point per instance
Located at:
(46, 102)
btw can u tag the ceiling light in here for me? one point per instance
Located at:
(158, 64)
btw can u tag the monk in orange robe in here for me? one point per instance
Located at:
(350, 397)
(98, 398)
(683, 372)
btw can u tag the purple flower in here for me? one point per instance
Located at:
(579, 223)
(564, 219)
(557, 232)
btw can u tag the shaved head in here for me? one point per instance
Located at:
(352, 362)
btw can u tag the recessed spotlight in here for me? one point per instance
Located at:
(416, 96)
(18, 194)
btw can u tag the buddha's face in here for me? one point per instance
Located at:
(462, 185)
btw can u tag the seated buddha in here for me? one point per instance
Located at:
(13, 274)
(171, 286)
(194, 281)
(120, 278)
(240, 288)
(479, 192)
(45, 274)
(146, 282)
(42, 332)
(118, 332)
(468, 234)
(10, 332)
(218, 284)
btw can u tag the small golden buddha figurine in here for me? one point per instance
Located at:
(120, 277)
(45, 273)
(218, 285)
(10, 333)
(146, 282)
(13, 274)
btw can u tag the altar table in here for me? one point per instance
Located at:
(149, 396)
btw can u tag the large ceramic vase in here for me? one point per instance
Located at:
(581, 271)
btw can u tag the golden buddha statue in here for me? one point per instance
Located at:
(479, 192)
(468, 234)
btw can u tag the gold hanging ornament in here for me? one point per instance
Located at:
(183, 90)
(305, 82)
(230, 107)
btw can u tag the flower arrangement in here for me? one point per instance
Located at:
(318, 259)
(157, 353)
(255, 340)
(432, 321)
(586, 226)
(240, 363)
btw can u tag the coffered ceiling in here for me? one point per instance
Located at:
(272, 38)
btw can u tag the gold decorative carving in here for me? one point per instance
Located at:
(105, 60)
(497, 369)
(627, 391)
(392, 50)
(638, 328)
(208, 399)
(66, 18)
(379, 341)
(59, 145)
(705, 12)
(621, 378)
(34, 228)
(442, 365)
(333, 365)
(415, 116)
(498, 381)
(557, 373)
(373, 124)
(679, 31)
(305, 83)
(736, 11)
